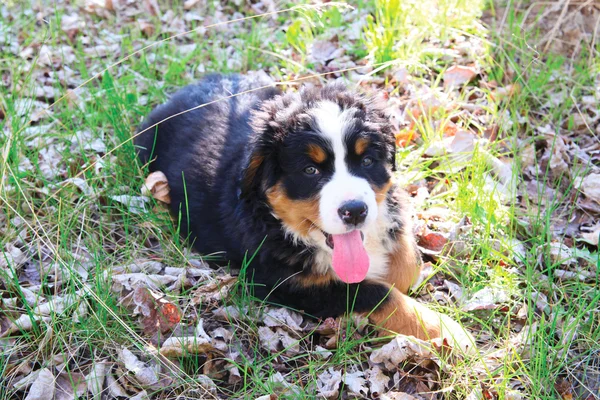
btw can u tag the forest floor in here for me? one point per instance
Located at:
(497, 118)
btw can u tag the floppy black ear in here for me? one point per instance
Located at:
(379, 104)
(251, 175)
(260, 168)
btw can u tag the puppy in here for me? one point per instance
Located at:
(305, 181)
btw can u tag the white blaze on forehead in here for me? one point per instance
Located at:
(333, 124)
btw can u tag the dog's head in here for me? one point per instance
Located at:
(323, 158)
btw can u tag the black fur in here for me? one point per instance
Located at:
(206, 156)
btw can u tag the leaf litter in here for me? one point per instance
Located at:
(182, 312)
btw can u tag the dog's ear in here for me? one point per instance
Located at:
(379, 102)
(251, 175)
(260, 166)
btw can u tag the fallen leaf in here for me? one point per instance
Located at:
(458, 75)
(399, 349)
(43, 387)
(378, 381)
(591, 234)
(130, 281)
(70, 386)
(328, 383)
(145, 375)
(146, 27)
(560, 253)
(158, 313)
(23, 323)
(185, 346)
(114, 387)
(136, 204)
(433, 241)
(405, 137)
(397, 396)
(270, 339)
(324, 50)
(157, 186)
(356, 383)
(591, 187)
(486, 299)
(95, 379)
(283, 317)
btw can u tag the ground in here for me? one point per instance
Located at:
(495, 107)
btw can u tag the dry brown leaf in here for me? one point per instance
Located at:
(433, 241)
(146, 27)
(378, 381)
(114, 387)
(136, 204)
(283, 317)
(95, 379)
(400, 349)
(131, 281)
(152, 7)
(397, 396)
(324, 50)
(70, 386)
(458, 75)
(328, 383)
(23, 323)
(189, 4)
(591, 234)
(43, 387)
(486, 299)
(406, 137)
(268, 339)
(158, 313)
(157, 186)
(145, 375)
(356, 383)
(185, 346)
(591, 187)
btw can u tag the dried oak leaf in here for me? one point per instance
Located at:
(591, 187)
(157, 186)
(43, 387)
(328, 383)
(433, 241)
(158, 313)
(458, 75)
(184, 346)
(400, 349)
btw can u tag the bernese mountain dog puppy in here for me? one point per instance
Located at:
(305, 181)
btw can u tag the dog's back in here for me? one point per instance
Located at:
(198, 139)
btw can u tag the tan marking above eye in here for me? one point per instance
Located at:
(316, 153)
(361, 145)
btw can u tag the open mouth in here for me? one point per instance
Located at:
(329, 238)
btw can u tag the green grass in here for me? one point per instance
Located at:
(78, 236)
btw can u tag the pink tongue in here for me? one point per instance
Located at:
(350, 259)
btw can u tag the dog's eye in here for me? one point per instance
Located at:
(367, 161)
(311, 171)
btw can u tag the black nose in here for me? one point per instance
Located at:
(353, 212)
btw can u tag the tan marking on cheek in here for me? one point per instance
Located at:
(382, 191)
(298, 215)
(316, 153)
(361, 145)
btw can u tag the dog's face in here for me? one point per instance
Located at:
(323, 158)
